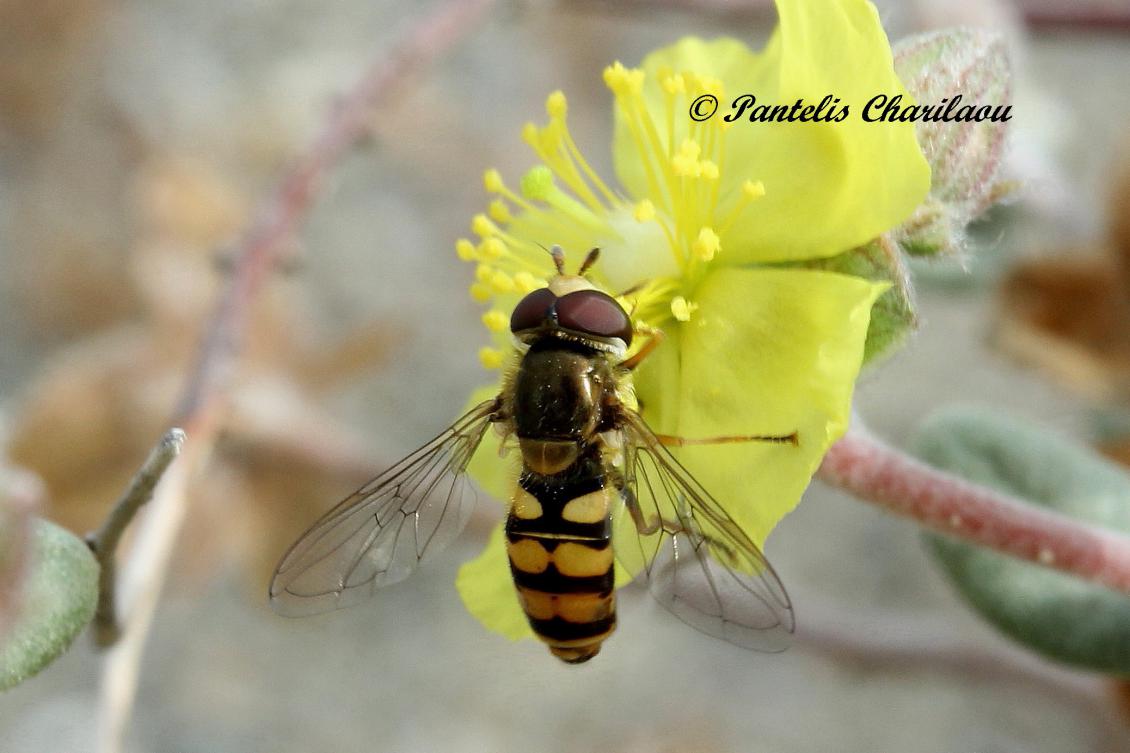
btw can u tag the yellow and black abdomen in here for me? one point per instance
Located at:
(559, 540)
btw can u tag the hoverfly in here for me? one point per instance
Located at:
(596, 484)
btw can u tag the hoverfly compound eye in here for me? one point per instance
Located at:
(532, 311)
(596, 313)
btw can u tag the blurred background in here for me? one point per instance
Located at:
(137, 138)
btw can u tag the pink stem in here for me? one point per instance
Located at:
(280, 215)
(877, 473)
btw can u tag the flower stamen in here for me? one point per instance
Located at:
(751, 192)
(490, 358)
(706, 245)
(682, 309)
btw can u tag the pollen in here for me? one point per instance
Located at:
(502, 282)
(690, 149)
(492, 249)
(685, 163)
(530, 134)
(623, 81)
(682, 309)
(753, 189)
(709, 170)
(495, 320)
(644, 211)
(706, 245)
(556, 106)
(527, 283)
(482, 226)
(490, 358)
(481, 292)
(711, 85)
(674, 84)
(614, 76)
(492, 181)
(499, 212)
(465, 249)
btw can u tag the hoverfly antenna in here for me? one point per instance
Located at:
(558, 258)
(588, 262)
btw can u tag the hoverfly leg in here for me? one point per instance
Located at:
(669, 440)
(654, 339)
(644, 526)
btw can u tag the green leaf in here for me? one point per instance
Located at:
(1056, 614)
(58, 600)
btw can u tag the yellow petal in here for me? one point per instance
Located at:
(488, 592)
(857, 179)
(769, 352)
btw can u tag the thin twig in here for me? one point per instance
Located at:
(202, 405)
(280, 216)
(104, 542)
(877, 473)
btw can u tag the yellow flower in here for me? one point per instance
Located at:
(699, 230)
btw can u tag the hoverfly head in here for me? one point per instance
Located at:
(572, 306)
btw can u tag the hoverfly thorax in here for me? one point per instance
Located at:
(560, 389)
(569, 330)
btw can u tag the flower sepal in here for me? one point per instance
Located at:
(969, 67)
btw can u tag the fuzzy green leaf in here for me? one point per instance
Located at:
(1058, 615)
(58, 600)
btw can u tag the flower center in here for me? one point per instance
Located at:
(655, 247)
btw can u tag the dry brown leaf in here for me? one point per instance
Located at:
(1068, 314)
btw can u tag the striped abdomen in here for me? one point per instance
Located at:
(559, 539)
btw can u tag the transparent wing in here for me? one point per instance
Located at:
(698, 562)
(380, 533)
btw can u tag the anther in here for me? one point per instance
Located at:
(644, 211)
(501, 282)
(495, 320)
(492, 248)
(492, 181)
(530, 134)
(682, 309)
(482, 226)
(706, 245)
(527, 283)
(754, 190)
(499, 212)
(465, 249)
(556, 106)
(490, 358)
